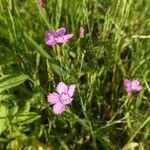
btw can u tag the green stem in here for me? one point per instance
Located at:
(138, 130)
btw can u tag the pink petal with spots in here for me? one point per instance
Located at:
(62, 88)
(128, 89)
(139, 88)
(64, 39)
(135, 82)
(58, 108)
(67, 101)
(61, 31)
(49, 34)
(51, 41)
(136, 85)
(67, 37)
(53, 98)
(127, 84)
(60, 39)
(71, 90)
(49, 38)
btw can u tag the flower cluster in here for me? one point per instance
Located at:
(63, 95)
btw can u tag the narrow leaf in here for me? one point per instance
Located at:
(3, 114)
(9, 81)
(38, 48)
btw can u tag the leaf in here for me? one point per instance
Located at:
(4, 97)
(24, 116)
(37, 47)
(3, 114)
(3, 29)
(27, 118)
(7, 56)
(57, 69)
(60, 71)
(9, 81)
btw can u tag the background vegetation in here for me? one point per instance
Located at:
(103, 115)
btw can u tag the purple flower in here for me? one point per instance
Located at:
(52, 38)
(42, 3)
(61, 98)
(82, 32)
(132, 85)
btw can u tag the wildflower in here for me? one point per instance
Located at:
(82, 32)
(132, 85)
(61, 98)
(52, 38)
(42, 3)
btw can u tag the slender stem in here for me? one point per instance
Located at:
(124, 104)
(138, 130)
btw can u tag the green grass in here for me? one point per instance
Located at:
(103, 115)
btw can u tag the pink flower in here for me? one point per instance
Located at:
(52, 38)
(132, 85)
(82, 32)
(61, 98)
(42, 3)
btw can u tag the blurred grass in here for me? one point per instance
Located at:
(102, 116)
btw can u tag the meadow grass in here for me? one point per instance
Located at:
(103, 115)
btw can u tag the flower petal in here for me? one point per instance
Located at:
(135, 82)
(63, 39)
(127, 84)
(62, 88)
(66, 101)
(135, 86)
(61, 31)
(58, 108)
(139, 88)
(49, 38)
(71, 90)
(50, 41)
(67, 37)
(128, 89)
(60, 39)
(49, 33)
(53, 98)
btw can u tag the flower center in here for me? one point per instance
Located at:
(65, 98)
(134, 86)
(57, 35)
